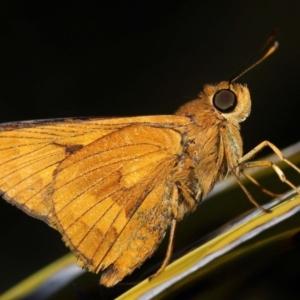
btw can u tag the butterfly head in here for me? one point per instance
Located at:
(231, 100)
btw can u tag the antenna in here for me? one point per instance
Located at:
(271, 50)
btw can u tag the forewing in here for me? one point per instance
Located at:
(31, 151)
(29, 154)
(112, 198)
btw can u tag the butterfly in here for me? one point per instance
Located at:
(113, 186)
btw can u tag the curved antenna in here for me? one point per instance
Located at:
(271, 50)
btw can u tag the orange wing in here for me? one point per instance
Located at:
(104, 184)
(29, 154)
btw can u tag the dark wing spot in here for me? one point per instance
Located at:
(70, 149)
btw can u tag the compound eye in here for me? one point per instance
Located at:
(225, 101)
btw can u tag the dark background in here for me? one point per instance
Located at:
(63, 59)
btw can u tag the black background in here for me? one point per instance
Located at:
(65, 58)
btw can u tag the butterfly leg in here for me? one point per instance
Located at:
(251, 199)
(265, 163)
(264, 190)
(172, 234)
(262, 145)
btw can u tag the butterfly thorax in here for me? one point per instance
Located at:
(212, 148)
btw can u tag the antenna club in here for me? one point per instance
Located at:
(270, 51)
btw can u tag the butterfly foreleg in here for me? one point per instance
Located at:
(244, 164)
(262, 145)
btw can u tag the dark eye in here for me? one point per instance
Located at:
(225, 101)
